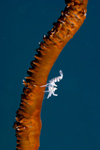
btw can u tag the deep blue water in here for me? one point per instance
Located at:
(70, 121)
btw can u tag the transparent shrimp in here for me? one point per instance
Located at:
(52, 87)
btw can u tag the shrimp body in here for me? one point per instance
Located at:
(52, 87)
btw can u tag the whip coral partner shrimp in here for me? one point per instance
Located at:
(52, 86)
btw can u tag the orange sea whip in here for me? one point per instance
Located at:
(28, 122)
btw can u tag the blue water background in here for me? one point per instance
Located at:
(70, 121)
